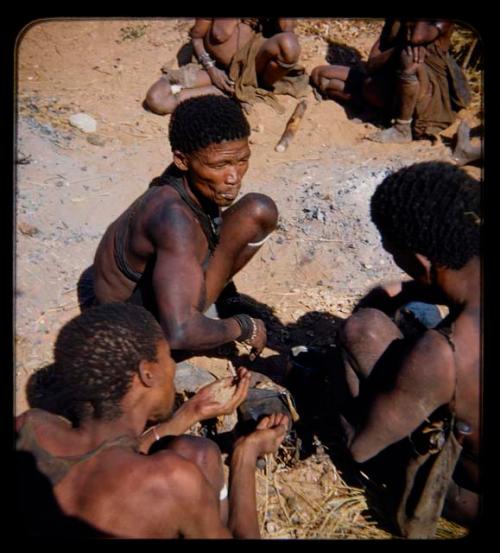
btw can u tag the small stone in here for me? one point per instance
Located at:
(27, 229)
(96, 140)
(84, 122)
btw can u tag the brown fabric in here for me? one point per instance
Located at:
(186, 75)
(247, 89)
(449, 93)
(53, 467)
(428, 476)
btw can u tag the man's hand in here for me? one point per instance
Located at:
(220, 79)
(260, 340)
(221, 397)
(268, 435)
(413, 55)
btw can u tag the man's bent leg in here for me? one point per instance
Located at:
(245, 227)
(163, 97)
(364, 337)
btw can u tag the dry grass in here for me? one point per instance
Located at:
(312, 501)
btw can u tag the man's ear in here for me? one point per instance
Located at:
(147, 373)
(180, 160)
(428, 267)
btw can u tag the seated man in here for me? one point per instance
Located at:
(428, 217)
(113, 374)
(174, 250)
(234, 59)
(410, 75)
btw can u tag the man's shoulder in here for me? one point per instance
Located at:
(166, 472)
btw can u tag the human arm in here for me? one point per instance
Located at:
(218, 77)
(420, 35)
(425, 380)
(218, 398)
(267, 437)
(287, 24)
(390, 296)
(179, 284)
(191, 507)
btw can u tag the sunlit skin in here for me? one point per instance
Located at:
(166, 401)
(173, 492)
(215, 173)
(430, 375)
(221, 38)
(187, 278)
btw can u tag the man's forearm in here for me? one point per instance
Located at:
(243, 521)
(180, 422)
(203, 333)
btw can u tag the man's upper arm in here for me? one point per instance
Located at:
(178, 280)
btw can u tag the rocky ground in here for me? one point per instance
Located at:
(325, 254)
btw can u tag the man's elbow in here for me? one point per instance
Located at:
(179, 339)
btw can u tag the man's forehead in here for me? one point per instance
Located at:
(225, 148)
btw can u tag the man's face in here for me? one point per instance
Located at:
(407, 261)
(217, 170)
(166, 392)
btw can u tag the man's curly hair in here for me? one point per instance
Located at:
(96, 354)
(431, 208)
(198, 122)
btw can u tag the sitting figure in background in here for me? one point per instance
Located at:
(426, 385)
(112, 376)
(235, 59)
(410, 74)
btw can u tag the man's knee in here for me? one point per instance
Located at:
(262, 210)
(316, 75)
(159, 101)
(368, 325)
(289, 47)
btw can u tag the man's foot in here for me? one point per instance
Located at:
(464, 151)
(397, 134)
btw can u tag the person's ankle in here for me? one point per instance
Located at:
(403, 126)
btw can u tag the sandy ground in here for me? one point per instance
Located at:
(326, 252)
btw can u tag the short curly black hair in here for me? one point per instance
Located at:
(431, 208)
(96, 354)
(198, 122)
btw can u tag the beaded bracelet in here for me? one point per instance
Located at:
(206, 60)
(248, 328)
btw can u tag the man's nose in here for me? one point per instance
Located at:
(232, 176)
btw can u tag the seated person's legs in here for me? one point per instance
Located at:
(364, 337)
(163, 97)
(338, 82)
(276, 57)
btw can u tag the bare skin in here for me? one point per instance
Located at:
(465, 152)
(169, 494)
(429, 374)
(402, 46)
(164, 226)
(221, 38)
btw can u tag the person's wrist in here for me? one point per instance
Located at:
(189, 412)
(245, 447)
(248, 327)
